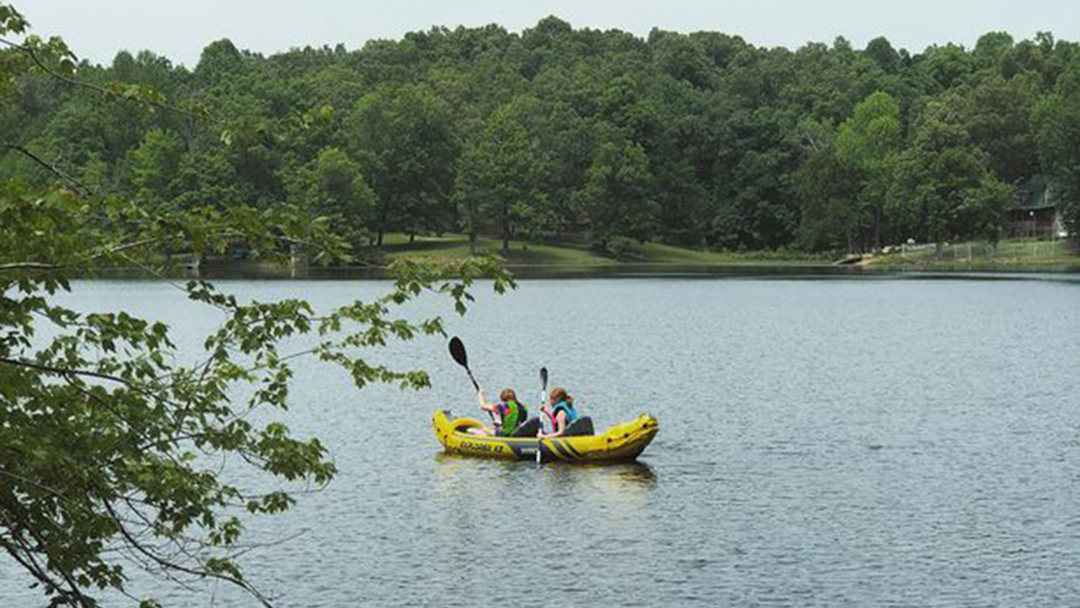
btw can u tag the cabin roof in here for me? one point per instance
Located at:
(1034, 194)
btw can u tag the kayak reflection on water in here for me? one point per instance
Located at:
(635, 473)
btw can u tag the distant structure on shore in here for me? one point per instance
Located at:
(1036, 212)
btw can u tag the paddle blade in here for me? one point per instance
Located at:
(457, 351)
(543, 378)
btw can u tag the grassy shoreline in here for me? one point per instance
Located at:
(576, 260)
(576, 254)
(1011, 255)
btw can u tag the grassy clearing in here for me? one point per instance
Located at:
(666, 254)
(1011, 254)
(574, 252)
(452, 247)
(1008, 254)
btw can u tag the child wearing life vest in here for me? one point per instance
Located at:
(561, 412)
(506, 415)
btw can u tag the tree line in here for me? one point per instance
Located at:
(698, 140)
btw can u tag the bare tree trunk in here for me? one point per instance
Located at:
(877, 227)
(384, 212)
(506, 227)
(472, 227)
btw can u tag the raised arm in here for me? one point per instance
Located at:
(559, 424)
(496, 417)
(484, 405)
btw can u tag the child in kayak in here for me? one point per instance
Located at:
(506, 415)
(560, 409)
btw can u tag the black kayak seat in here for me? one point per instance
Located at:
(528, 428)
(579, 427)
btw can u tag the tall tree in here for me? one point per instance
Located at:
(831, 218)
(498, 176)
(868, 143)
(1059, 144)
(617, 191)
(403, 138)
(943, 188)
(153, 168)
(333, 185)
(882, 52)
(998, 117)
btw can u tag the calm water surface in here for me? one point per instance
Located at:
(823, 443)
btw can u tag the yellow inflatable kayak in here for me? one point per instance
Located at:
(622, 442)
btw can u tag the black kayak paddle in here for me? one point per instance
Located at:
(457, 351)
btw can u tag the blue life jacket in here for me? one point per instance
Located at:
(571, 413)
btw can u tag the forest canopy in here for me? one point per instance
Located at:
(699, 140)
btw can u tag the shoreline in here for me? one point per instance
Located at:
(249, 270)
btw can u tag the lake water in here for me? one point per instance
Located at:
(858, 442)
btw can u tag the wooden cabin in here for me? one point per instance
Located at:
(1035, 214)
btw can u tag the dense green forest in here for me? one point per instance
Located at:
(699, 140)
(107, 428)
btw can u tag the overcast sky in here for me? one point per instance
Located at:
(179, 29)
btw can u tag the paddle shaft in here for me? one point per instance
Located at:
(475, 385)
(543, 398)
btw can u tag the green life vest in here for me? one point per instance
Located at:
(512, 414)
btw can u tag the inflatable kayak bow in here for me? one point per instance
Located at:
(620, 443)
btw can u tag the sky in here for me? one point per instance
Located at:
(179, 29)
